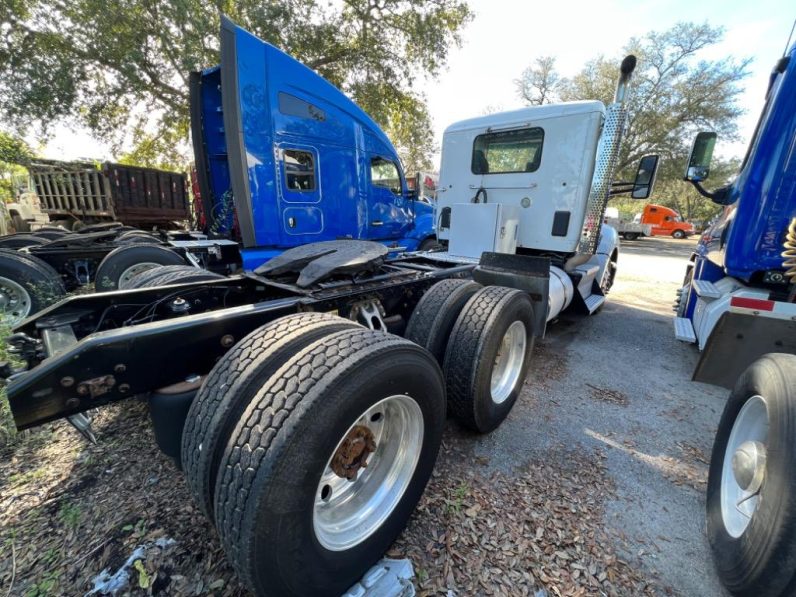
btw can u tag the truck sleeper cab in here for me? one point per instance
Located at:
(666, 221)
(293, 157)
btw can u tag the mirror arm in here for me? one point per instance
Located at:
(701, 190)
(620, 191)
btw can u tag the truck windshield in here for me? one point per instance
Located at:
(507, 152)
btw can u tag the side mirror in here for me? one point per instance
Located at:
(698, 168)
(645, 177)
(411, 194)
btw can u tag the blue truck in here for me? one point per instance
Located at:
(738, 304)
(284, 158)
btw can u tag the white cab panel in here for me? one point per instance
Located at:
(555, 192)
(479, 227)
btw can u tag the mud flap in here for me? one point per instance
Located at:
(524, 272)
(737, 341)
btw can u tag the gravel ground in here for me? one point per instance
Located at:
(619, 381)
(593, 486)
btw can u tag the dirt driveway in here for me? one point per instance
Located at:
(594, 485)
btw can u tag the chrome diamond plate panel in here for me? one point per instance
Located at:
(607, 154)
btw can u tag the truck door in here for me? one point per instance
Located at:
(299, 190)
(389, 211)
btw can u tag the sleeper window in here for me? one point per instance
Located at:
(299, 170)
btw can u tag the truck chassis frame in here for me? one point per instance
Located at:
(95, 349)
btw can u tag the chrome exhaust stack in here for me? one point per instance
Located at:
(605, 165)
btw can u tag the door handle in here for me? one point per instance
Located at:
(377, 223)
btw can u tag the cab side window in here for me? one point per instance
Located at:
(384, 173)
(299, 170)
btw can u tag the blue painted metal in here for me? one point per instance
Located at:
(747, 239)
(278, 106)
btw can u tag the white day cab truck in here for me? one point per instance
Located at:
(305, 399)
(738, 304)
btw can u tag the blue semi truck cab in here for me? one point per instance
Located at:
(737, 301)
(738, 304)
(284, 158)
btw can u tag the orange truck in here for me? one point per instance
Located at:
(666, 222)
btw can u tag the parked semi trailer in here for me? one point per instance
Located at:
(75, 194)
(738, 304)
(305, 399)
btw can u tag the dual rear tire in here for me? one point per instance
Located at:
(483, 338)
(319, 436)
(310, 435)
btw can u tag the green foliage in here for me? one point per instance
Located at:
(673, 95)
(70, 515)
(121, 66)
(13, 152)
(45, 586)
(144, 580)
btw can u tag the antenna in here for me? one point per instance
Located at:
(787, 44)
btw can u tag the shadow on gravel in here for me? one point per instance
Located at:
(660, 246)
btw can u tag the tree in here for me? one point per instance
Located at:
(13, 153)
(673, 95)
(539, 84)
(121, 66)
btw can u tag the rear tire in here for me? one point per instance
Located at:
(26, 287)
(432, 320)
(121, 265)
(272, 505)
(19, 241)
(488, 356)
(183, 275)
(230, 385)
(630, 235)
(755, 554)
(140, 279)
(430, 244)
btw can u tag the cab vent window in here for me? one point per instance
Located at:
(507, 152)
(299, 170)
(290, 105)
(384, 173)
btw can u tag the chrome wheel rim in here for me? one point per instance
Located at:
(131, 272)
(15, 302)
(508, 362)
(743, 470)
(346, 512)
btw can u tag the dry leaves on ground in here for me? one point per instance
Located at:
(540, 528)
(608, 395)
(69, 510)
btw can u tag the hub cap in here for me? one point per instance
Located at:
(131, 272)
(508, 362)
(14, 302)
(368, 473)
(744, 468)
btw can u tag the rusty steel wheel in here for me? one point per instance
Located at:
(368, 472)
